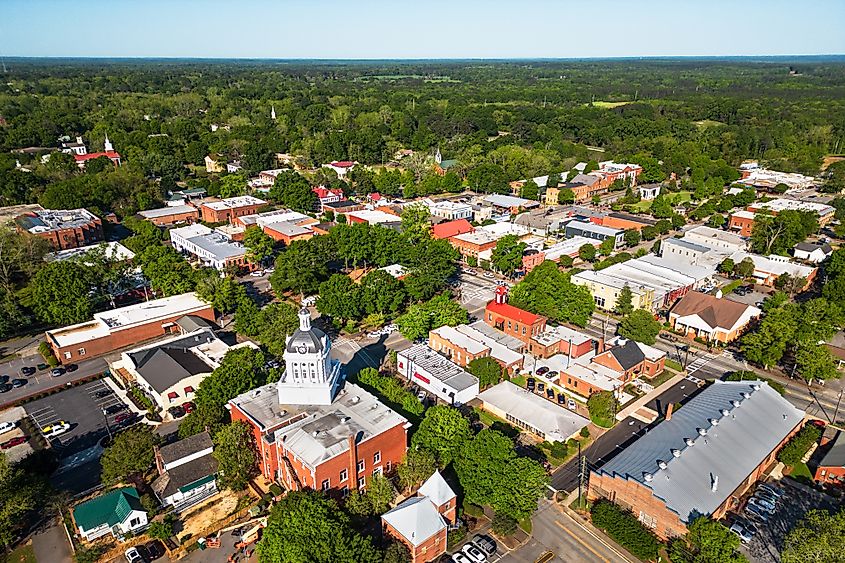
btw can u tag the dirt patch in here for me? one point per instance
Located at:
(213, 510)
(830, 159)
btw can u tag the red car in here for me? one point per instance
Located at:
(122, 417)
(188, 406)
(13, 442)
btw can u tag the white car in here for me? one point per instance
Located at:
(256, 274)
(7, 427)
(56, 430)
(461, 558)
(133, 555)
(473, 553)
(269, 270)
(571, 404)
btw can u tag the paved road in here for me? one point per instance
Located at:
(476, 292)
(554, 531)
(42, 380)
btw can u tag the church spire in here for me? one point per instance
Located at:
(107, 146)
(273, 113)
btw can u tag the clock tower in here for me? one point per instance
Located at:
(311, 377)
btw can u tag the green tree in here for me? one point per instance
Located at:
(640, 326)
(632, 237)
(607, 246)
(487, 370)
(223, 294)
(300, 268)
(503, 525)
(235, 452)
(293, 191)
(259, 245)
(232, 185)
(131, 452)
(625, 528)
(340, 298)
(60, 293)
(587, 252)
(727, 266)
(565, 196)
(418, 465)
(777, 234)
(625, 301)
(507, 255)
(307, 527)
(375, 500)
(397, 552)
(815, 362)
(381, 293)
(717, 220)
(416, 225)
(818, 537)
(707, 541)
(549, 292)
(745, 268)
(161, 529)
(488, 178)
(443, 432)
(602, 408)
(660, 207)
(22, 492)
(423, 317)
(530, 190)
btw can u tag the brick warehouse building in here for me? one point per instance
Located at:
(63, 228)
(118, 328)
(701, 459)
(313, 430)
(226, 210)
(511, 320)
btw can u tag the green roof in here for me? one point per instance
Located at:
(198, 483)
(446, 164)
(111, 508)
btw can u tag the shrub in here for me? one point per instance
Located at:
(456, 536)
(503, 525)
(161, 530)
(602, 406)
(585, 432)
(391, 390)
(799, 444)
(88, 555)
(623, 527)
(473, 510)
(559, 450)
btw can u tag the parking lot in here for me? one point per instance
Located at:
(796, 501)
(82, 407)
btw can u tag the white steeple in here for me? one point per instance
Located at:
(311, 377)
(273, 113)
(107, 145)
(438, 158)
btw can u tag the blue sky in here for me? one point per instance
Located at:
(417, 29)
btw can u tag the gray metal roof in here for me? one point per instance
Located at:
(440, 367)
(720, 436)
(835, 456)
(218, 245)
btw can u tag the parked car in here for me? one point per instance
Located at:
(26, 371)
(757, 513)
(766, 496)
(102, 393)
(421, 395)
(460, 558)
(485, 543)
(541, 387)
(7, 426)
(777, 491)
(4, 379)
(5, 387)
(256, 274)
(745, 532)
(541, 370)
(530, 383)
(133, 555)
(56, 372)
(41, 367)
(269, 270)
(70, 368)
(19, 382)
(124, 417)
(571, 404)
(112, 409)
(16, 441)
(188, 406)
(551, 374)
(763, 504)
(489, 275)
(56, 429)
(473, 553)
(155, 550)
(668, 337)
(561, 399)
(176, 411)
(550, 393)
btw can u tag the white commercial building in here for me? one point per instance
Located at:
(449, 210)
(209, 247)
(436, 374)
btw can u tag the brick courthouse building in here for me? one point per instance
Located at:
(315, 431)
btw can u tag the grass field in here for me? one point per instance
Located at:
(674, 198)
(609, 105)
(706, 123)
(800, 472)
(23, 554)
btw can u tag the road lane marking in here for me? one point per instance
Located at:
(597, 538)
(582, 542)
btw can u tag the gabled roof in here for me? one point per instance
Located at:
(812, 246)
(416, 519)
(111, 508)
(628, 354)
(717, 313)
(835, 456)
(185, 447)
(437, 489)
(164, 366)
(694, 461)
(514, 313)
(451, 229)
(186, 476)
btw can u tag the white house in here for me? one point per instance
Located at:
(649, 191)
(814, 252)
(187, 472)
(117, 512)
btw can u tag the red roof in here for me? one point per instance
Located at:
(343, 163)
(375, 196)
(323, 192)
(513, 313)
(92, 155)
(452, 229)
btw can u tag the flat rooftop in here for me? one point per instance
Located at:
(440, 367)
(554, 422)
(218, 245)
(460, 339)
(234, 202)
(592, 228)
(112, 250)
(166, 211)
(48, 220)
(148, 312)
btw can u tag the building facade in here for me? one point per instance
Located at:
(226, 210)
(169, 216)
(62, 228)
(511, 320)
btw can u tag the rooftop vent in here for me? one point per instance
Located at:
(356, 399)
(648, 476)
(315, 433)
(345, 419)
(734, 403)
(702, 431)
(714, 482)
(713, 421)
(746, 395)
(689, 441)
(756, 386)
(662, 464)
(676, 452)
(725, 412)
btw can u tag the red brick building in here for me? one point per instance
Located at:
(742, 222)
(169, 216)
(451, 229)
(62, 228)
(126, 326)
(421, 522)
(225, 210)
(312, 430)
(511, 320)
(700, 461)
(632, 359)
(831, 468)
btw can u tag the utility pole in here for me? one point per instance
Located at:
(836, 412)
(580, 474)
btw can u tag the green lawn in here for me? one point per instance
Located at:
(674, 198)
(800, 472)
(609, 105)
(732, 286)
(23, 554)
(518, 380)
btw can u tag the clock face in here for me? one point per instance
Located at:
(301, 349)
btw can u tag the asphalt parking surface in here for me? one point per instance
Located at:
(80, 407)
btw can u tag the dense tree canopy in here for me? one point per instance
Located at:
(547, 291)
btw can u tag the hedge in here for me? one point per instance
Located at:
(391, 390)
(625, 529)
(799, 444)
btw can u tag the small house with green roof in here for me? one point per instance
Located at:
(118, 512)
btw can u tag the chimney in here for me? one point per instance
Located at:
(600, 346)
(353, 463)
(669, 408)
(79, 140)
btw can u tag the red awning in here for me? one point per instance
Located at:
(189, 389)
(172, 395)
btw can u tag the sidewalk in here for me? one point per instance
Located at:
(635, 406)
(597, 534)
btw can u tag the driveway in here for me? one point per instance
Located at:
(50, 544)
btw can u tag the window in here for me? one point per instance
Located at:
(378, 471)
(134, 522)
(599, 301)
(523, 330)
(648, 521)
(377, 457)
(344, 491)
(344, 475)
(326, 484)
(81, 351)
(68, 355)
(361, 465)
(362, 482)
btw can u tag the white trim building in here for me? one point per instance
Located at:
(436, 374)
